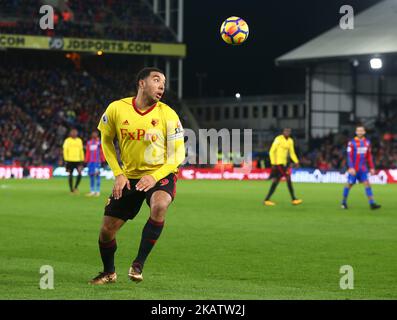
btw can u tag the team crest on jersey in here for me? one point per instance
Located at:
(105, 118)
(125, 123)
(164, 182)
(155, 122)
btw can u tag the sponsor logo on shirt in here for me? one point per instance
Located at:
(362, 150)
(138, 134)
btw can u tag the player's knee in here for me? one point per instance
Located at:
(158, 210)
(107, 232)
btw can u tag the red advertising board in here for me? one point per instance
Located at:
(298, 175)
(192, 173)
(16, 172)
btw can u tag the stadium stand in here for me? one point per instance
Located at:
(39, 104)
(103, 19)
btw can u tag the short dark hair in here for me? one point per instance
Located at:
(144, 73)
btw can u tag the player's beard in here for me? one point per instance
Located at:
(150, 99)
(155, 96)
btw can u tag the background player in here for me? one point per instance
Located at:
(151, 143)
(358, 155)
(73, 155)
(283, 145)
(94, 158)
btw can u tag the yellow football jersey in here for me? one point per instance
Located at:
(151, 142)
(73, 150)
(280, 149)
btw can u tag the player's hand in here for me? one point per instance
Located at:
(372, 172)
(296, 165)
(119, 184)
(352, 171)
(145, 183)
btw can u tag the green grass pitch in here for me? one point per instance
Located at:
(219, 243)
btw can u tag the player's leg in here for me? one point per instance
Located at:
(351, 181)
(294, 200)
(98, 181)
(107, 248)
(117, 211)
(275, 175)
(107, 241)
(275, 182)
(159, 198)
(91, 174)
(69, 170)
(70, 178)
(159, 203)
(370, 195)
(79, 170)
(92, 184)
(346, 191)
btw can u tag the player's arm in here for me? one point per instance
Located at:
(65, 149)
(273, 151)
(87, 152)
(81, 151)
(292, 153)
(370, 159)
(175, 149)
(110, 154)
(350, 158)
(175, 155)
(101, 155)
(108, 132)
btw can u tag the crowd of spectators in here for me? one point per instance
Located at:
(98, 19)
(329, 153)
(39, 106)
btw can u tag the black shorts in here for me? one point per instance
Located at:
(71, 165)
(279, 171)
(128, 206)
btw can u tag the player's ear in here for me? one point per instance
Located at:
(141, 84)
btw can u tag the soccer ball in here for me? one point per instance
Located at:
(234, 30)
